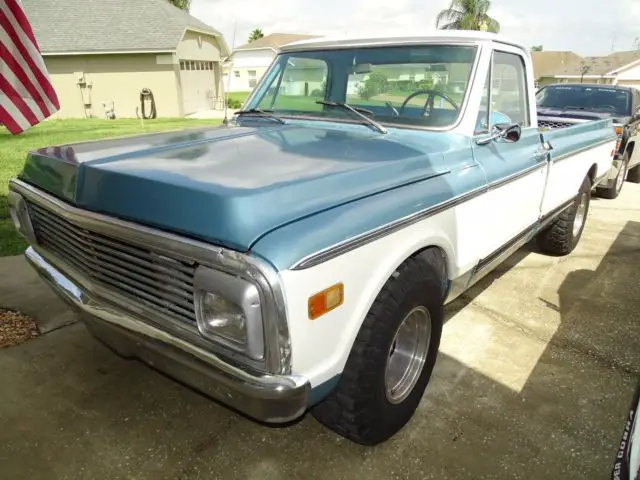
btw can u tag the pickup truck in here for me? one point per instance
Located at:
(562, 104)
(298, 258)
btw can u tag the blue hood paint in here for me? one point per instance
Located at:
(233, 185)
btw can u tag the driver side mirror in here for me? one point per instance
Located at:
(503, 132)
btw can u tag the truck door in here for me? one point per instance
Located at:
(515, 171)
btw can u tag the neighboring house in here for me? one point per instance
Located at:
(546, 64)
(103, 51)
(619, 68)
(249, 62)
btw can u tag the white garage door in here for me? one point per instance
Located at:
(198, 80)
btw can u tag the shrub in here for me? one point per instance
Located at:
(233, 103)
(376, 83)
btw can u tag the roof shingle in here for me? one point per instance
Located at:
(94, 26)
(600, 65)
(546, 63)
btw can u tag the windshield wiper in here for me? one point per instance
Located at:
(262, 113)
(357, 110)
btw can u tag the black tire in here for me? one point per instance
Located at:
(634, 174)
(359, 408)
(559, 238)
(614, 190)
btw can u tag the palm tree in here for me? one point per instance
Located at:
(467, 15)
(181, 4)
(256, 34)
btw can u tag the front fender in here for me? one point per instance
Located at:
(320, 347)
(444, 212)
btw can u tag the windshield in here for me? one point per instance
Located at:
(582, 97)
(408, 85)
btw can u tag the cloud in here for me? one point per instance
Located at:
(588, 27)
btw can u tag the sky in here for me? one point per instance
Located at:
(587, 27)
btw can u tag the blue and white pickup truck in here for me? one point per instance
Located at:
(298, 258)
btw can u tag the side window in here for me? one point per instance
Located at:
(509, 99)
(302, 82)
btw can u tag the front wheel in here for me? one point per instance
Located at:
(563, 235)
(392, 357)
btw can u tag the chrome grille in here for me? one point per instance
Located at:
(155, 280)
(553, 124)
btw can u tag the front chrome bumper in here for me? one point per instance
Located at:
(267, 398)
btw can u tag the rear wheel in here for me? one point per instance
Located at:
(392, 357)
(563, 235)
(614, 190)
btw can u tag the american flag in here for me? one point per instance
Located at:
(27, 96)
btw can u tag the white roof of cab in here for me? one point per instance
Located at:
(448, 36)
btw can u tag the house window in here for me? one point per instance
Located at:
(181, 64)
(236, 73)
(253, 81)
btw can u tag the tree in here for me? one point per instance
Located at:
(467, 15)
(537, 48)
(376, 84)
(584, 69)
(256, 34)
(181, 4)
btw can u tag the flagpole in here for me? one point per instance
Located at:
(226, 93)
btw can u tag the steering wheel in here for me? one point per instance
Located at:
(430, 100)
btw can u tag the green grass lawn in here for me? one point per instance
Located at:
(14, 148)
(239, 96)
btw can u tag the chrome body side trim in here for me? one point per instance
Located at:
(268, 398)
(516, 176)
(277, 340)
(565, 156)
(372, 235)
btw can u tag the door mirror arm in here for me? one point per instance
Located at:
(502, 132)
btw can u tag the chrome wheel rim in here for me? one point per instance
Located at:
(621, 175)
(581, 212)
(407, 354)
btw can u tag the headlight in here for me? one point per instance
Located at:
(229, 311)
(223, 318)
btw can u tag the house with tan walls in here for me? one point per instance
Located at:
(103, 53)
(249, 62)
(618, 68)
(546, 63)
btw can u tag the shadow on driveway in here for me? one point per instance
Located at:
(538, 389)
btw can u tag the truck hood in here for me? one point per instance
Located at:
(231, 185)
(585, 115)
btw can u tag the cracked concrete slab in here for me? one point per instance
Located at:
(537, 369)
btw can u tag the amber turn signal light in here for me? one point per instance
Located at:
(326, 300)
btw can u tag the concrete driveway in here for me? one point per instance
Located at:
(534, 380)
